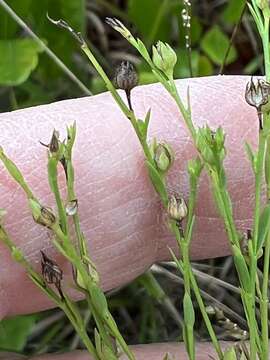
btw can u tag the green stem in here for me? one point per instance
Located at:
(258, 184)
(207, 321)
(73, 315)
(265, 301)
(250, 303)
(265, 41)
(127, 112)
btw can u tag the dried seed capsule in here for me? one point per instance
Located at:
(257, 95)
(177, 208)
(126, 77)
(42, 215)
(51, 272)
(54, 143)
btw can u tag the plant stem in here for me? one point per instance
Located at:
(258, 184)
(265, 42)
(127, 112)
(264, 300)
(205, 315)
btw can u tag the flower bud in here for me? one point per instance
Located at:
(164, 58)
(163, 155)
(42, 215)
(177, 208)
(54, 143)
(126, 77)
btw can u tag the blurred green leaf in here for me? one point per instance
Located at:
(14, 332)
(205, 67)
(144, 13)
(9, 27)
(147, 78)
(18, 59)
(73, 11)
(182, 66)
(215, 44)
(233, 11)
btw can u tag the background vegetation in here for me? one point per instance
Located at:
(29, 75)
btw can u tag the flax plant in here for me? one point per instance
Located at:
(109, 344)
(158, 160)
(159, 157)
(210, 144)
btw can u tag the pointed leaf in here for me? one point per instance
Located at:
(264, 227)
(157, 183)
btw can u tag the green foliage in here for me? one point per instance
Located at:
(137, 9)
(15, 331)
(19, 57)
(215, 44)
(233, 11)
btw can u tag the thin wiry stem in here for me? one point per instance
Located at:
(221, 70)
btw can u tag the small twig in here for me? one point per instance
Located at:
(235, 30)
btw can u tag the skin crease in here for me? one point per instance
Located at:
(121, 215)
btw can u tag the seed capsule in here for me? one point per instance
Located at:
(126, 77)
(163, 155)
(177, 208)
(51, 272)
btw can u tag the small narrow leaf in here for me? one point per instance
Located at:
(189, 315)
(242, 269)
(264, 227)
(157, 183)
(250, 155)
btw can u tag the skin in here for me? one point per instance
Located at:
(121, 215)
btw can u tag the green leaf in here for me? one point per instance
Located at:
(189, 318)
(189, 315)
(18, 59)
(242, 268)
(8, 26)
(233, 11)
(215, 44)
(157, 182)
(205, 67)
(73, 11)
(14, 332)
(250, 155)
(230, 354)
(264, 227)
(181, 69)
(142, 13)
